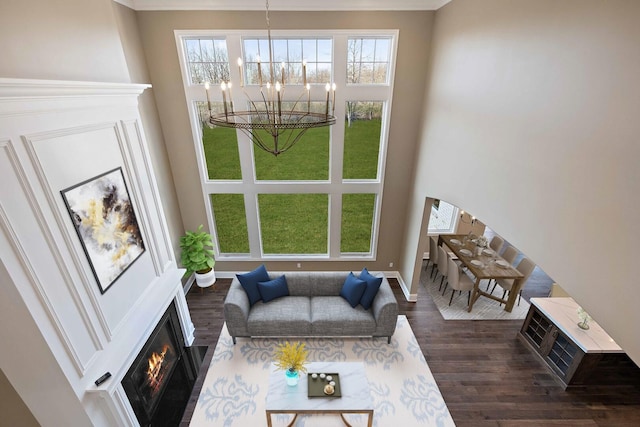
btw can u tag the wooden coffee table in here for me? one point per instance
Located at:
(356, 397)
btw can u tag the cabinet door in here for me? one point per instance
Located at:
(536, 329)
(563, 354)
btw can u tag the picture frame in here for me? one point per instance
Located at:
(105, 222)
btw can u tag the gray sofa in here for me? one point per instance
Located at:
(314, 307)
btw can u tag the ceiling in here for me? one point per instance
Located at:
(293, 5)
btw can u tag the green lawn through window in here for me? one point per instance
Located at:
(357, 221)
(231, 224)
(295, 223)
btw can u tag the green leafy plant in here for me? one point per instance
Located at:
(197, 251)
(291, 357)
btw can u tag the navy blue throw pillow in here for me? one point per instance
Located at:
(273, 289)
(352, 289)
(249, 282)
(373, 284)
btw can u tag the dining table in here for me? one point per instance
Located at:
(483, 263)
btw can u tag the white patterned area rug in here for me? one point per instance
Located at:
(483, 309)
(403, 389)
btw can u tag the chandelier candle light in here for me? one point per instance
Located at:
(272, 128)
(472, 218)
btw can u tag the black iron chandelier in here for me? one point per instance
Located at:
(272, 126)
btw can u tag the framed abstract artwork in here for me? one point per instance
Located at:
(105, 221)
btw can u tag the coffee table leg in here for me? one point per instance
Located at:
(293, 421)
(344, 420)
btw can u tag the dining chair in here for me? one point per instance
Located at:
(509, 255)
(458, 280)
(496, 243)
(433, 255)
(443, 266)
(526, 267)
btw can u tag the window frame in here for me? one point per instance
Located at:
(335, 186)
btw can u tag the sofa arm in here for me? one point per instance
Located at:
(236, 310)
(385, 310)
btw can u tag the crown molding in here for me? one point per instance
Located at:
(285, 5)
(24, 88)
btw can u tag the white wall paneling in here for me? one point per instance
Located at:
(141, 168)
(56, 135)
(20, 212)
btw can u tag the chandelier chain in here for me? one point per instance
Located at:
(271, 128)
(267, 16)
(271, 69)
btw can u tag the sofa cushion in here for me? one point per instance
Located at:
(333, 316)
(290, 316)
(273, 289)
(249, 282)
(373, 284)
(352, 289)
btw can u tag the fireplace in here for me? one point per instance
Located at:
(159, 382)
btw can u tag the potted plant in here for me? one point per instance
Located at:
(291, 358)
(198, 257)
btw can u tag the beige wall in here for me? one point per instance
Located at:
(157, 30)
(14, 411)
(60, 40)
(534, 107)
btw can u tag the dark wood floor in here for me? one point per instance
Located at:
(486, 375)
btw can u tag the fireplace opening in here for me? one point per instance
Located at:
(160, 379)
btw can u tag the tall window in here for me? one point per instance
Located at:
(321, 199)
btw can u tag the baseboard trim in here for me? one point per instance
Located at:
(403, 286)
(187, 285)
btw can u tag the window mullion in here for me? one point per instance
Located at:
(335, 224)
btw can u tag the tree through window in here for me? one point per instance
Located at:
(208, 60)
(368, 60)
(317, 53)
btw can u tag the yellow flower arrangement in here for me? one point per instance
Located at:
(291, 356)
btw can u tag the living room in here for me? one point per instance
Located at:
(528, 104)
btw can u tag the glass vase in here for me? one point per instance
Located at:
(584, 324)
(292, 377)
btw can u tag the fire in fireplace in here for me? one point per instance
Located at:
(158, 369)
(159, 381)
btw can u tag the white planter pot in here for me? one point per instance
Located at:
(206, 279)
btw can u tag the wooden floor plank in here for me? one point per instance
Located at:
(487, 376)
